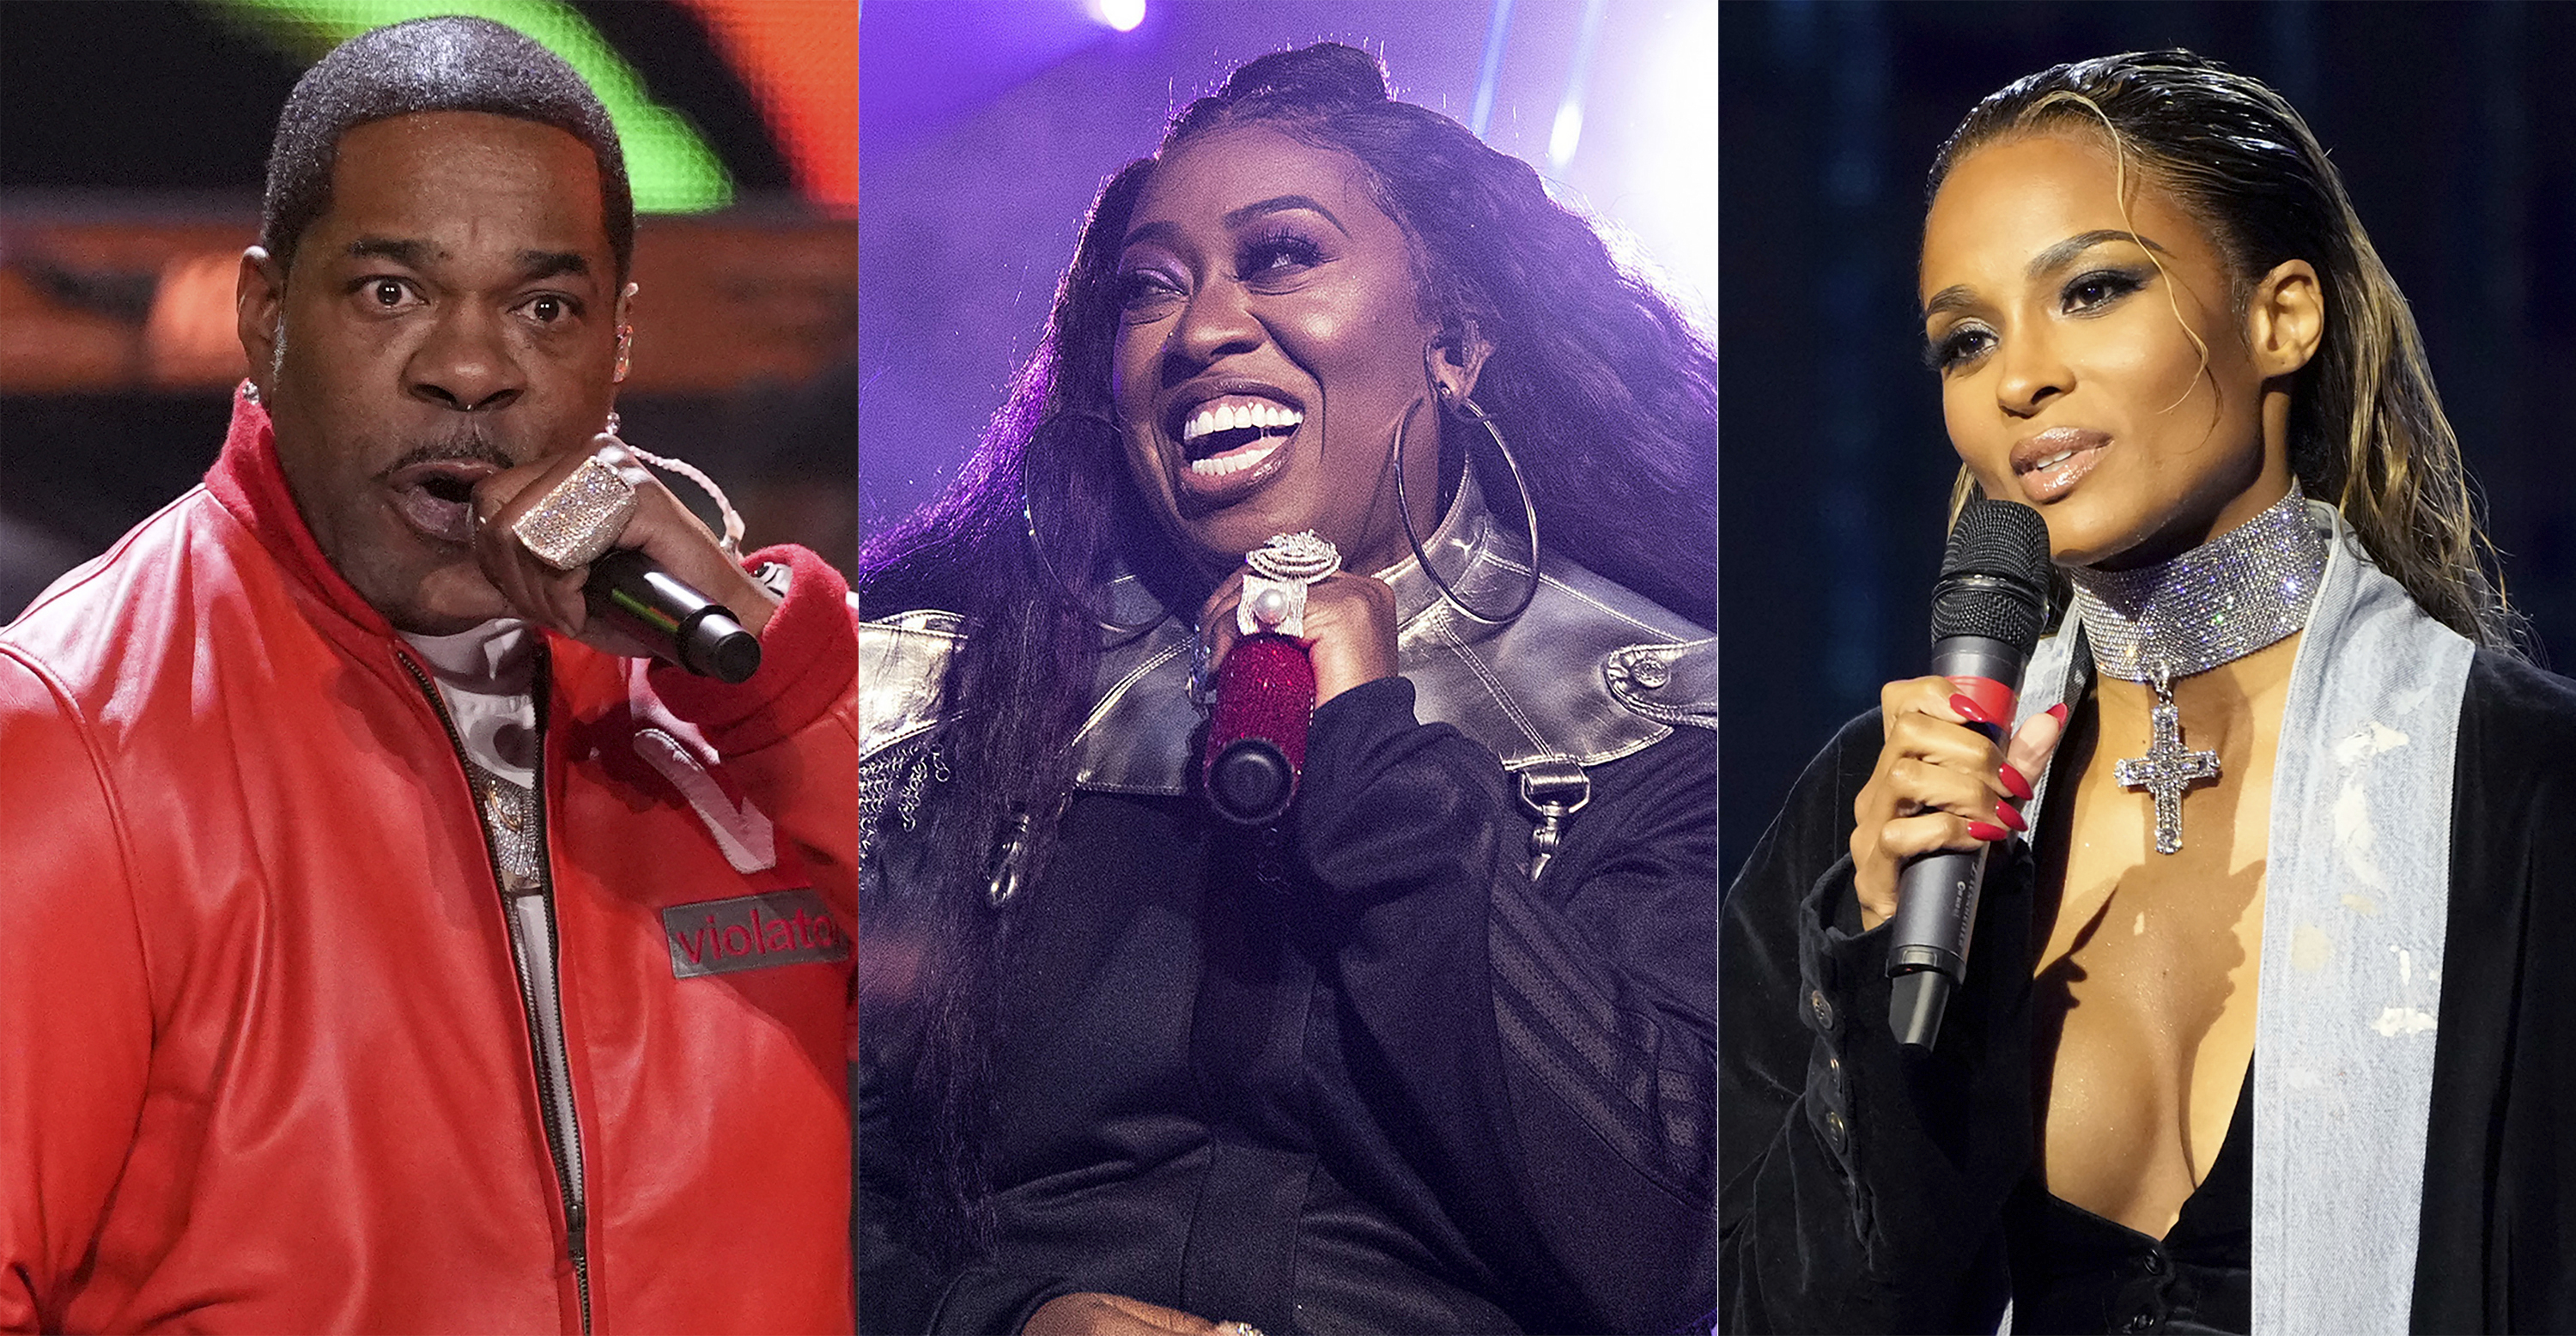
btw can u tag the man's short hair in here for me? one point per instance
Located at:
(434, 64)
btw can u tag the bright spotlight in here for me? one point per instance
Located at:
(1122, 15)
(1667, 184)
(1567, 133)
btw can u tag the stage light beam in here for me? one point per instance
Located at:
(1568, 130)
(1123, 15)
(1567, 133)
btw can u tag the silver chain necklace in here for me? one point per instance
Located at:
(2245, 590)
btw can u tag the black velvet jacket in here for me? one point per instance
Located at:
(1375, 1080)
(1864, 1189)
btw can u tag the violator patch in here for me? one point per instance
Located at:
(751, 932)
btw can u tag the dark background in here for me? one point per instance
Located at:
(2454, 126)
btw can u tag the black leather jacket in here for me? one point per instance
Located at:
(1365, 1074)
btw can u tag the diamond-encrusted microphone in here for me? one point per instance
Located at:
(1265, 689)
(1986, 612)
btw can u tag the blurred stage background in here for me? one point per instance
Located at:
(133, 140)
(132, 135)
(987, 126)
(2454, 126)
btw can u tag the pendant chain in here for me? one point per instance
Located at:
(2246, 590)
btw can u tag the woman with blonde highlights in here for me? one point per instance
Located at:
(2261, 986)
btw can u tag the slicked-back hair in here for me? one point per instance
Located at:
(450, 63)
(2367, 431)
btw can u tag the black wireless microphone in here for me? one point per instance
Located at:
(681, 624)
(1986, 612)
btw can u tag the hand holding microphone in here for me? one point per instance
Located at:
(592, 544)
(1284, 634)
(1942, 789)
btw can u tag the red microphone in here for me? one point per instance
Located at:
(1265, 689)
(1256, 744)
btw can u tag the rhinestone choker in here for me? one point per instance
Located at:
(2247, 589)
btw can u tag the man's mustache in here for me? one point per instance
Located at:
(465, 442)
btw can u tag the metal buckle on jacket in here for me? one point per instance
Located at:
(1552, 788)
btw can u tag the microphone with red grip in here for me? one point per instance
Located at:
(1986, 612)
(1256, 743)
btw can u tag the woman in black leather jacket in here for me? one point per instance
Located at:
(1433, 1051)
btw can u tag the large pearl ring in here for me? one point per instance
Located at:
(1274, 588)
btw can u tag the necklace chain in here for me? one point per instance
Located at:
(2245, 590)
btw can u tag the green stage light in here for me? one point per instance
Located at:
(671, 169)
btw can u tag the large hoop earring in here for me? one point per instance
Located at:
(1047, 571)
(1466, 408)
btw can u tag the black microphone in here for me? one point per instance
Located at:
(1986, 611)
(1256, 743)
(681, 624)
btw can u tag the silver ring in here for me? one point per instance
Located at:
(580, 518)
(1274, 588)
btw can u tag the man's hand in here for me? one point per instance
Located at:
(661, 526)
(1118, 1315)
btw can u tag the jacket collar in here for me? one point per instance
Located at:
(1463, 549)
(1588, 673)
(247, 481)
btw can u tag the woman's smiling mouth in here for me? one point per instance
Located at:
(1234, 442)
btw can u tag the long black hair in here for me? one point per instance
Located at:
(1607, 392)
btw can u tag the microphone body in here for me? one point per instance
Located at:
(1936, 907)
(681, 624)
(1986, 611)
(1256, 743)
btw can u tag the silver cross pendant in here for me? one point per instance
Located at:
(2166, 770)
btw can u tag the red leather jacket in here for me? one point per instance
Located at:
(264, 1062)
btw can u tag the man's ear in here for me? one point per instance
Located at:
(2285, 320)
(625, 333)
(259, 313)
(1461, 349)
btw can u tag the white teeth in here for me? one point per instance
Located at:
(1260, 413)
(1236, 460)
(2053, 460)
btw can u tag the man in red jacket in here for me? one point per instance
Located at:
(385, 948)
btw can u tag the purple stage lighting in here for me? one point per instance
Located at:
(1122, 15)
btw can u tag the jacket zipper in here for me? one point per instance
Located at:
(558, 1137)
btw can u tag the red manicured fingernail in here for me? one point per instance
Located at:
(1969, 710)
(2010, 816)
(1987, 831)
(2014, 784)
(2058, 712)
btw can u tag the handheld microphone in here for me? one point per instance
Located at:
(681, 624)
(1256, 743)
(1986, 611)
